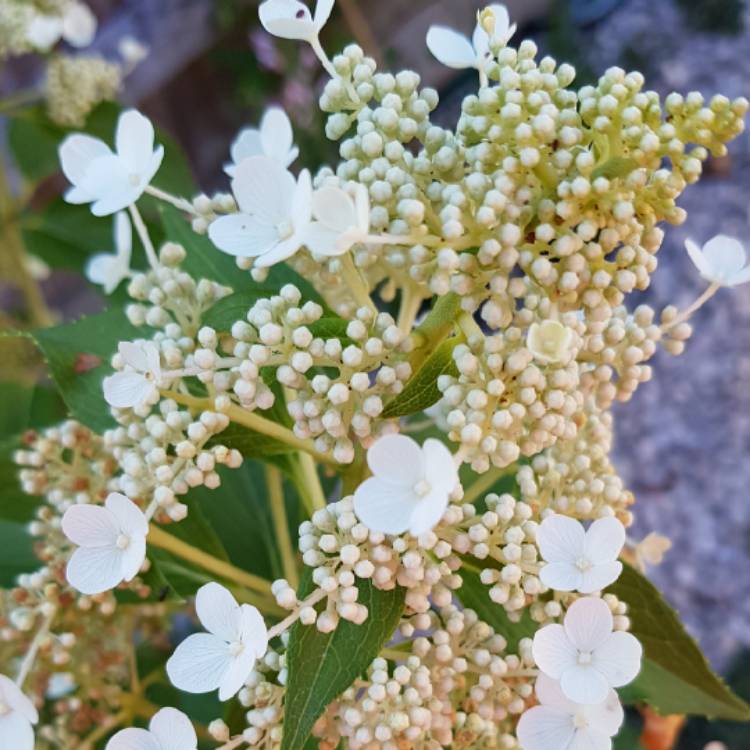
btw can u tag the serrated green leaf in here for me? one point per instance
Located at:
(676, 677)
(475, 595)
(321, 666)
(78, 357)
(421, 391)
(234, 307)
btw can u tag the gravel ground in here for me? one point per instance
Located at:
(684, 440)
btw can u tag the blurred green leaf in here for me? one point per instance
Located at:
(16, 553)
(321, 666)
(229, 310)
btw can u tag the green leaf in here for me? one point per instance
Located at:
(251, 444)
(15, 504)
(234, 307)
(16, 553)
(475, 595)
(676, 677)
(617, 166)
(331, 327)
(78, 356)
(321, 666)
(33, 141)
(421, 391)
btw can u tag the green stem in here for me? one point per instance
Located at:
(411, 301)
(353, 279)
(180, 203)
(19, 99)
(311, 478)
(148, 246)
(33, 650)
(485, 482)
(438, 324)
(275, 486)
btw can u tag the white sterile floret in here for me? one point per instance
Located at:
(109, 180)
(651, 550)
(110, 269)
(456, 50)
(76, 26)
(273, 139)
(549, 341)
(558, 723)
(340, 220)
(225, 656)
(722, 260)
(139, 382)
(17, 716)
(169, 729)
(579, 560)
(275, 213)
(585, 654)
(410, 486)
(290, 19)
(111, 543)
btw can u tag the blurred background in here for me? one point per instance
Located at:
(683, 442)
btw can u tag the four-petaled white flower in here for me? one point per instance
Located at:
(456, 50)
(579, 560)
(169, 729)
(275, 213)
(17, 716)
(340, 220)
(585, 654)
(722, 260)
(549, 341)
(137, 384)
(111, 543)
(560, 724)
(110, 269)
(290, 19)
(77, 26)
(109, 180)
(410, 488)
(223, 657)
(273, 139)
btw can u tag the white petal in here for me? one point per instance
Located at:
(218, 611)
(77, 152)
(16, 732)
(90, 525)
(543, 728)
(604, 540)
(549, 693)
(288, 19)
(235, 677)
(362, 203)
(133, 739)
(584, 684)
(560, 539)
(561, 576)
(384, 507)
(133, 557)
(301, 208)
(428, 512)
(134, 355)
(199, 663)
(153, 359)
(741, 277)
(398, 460)
(588, 623)
(173, 730)
(14, 697)
(276, 136)
(552, 650)
(440, 469)
(79, 25)
(322, 240)
(696, 255)
(590, 739)
(480, 41)
(253, 631)
(44, 31)
(129, 516)
(334, 208)
(77, 196)
(107, 270)
(599, 577)
(725, 256)
(451, 48)
(606, 717)
(242, 235)
(323, 9)
(109, 183)
(264, 189)
(246, 144)
(93, 570)
(126, 389)
(619, 658)
(503, 29)
(153, 166)
(280, 252)
(134, 141)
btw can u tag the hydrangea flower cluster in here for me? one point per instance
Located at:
(525, 229)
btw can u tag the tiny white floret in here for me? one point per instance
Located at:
(549, 341)
(111, 180)
(225, 656)
(585, 655)
(290, 19)
(169, 729)
(651, 550)
(578, 560)
(558, 723)
(410, 486)
(110, 269)
(722, 260)
(17, 717)
(273, 139)
(111, 543)
(77, 26)
(139, 382)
